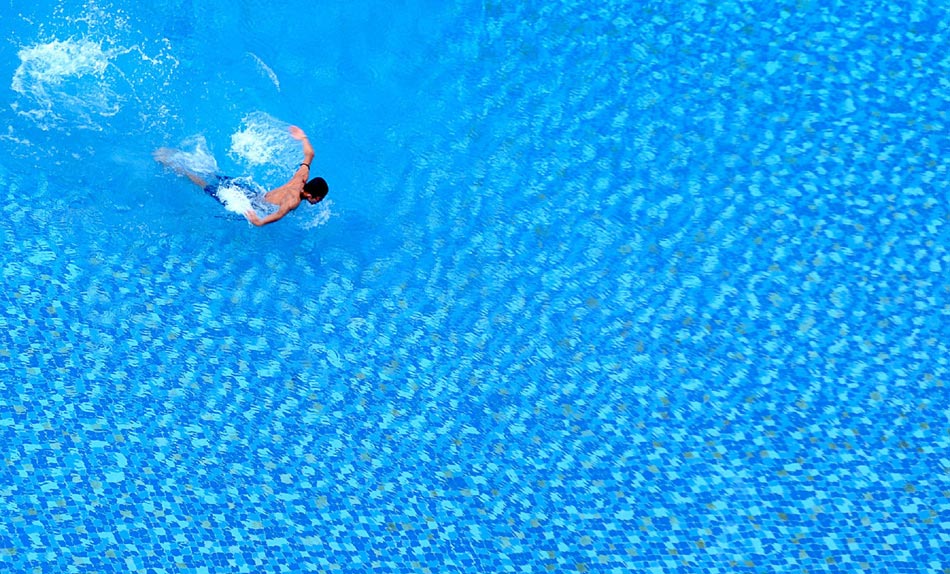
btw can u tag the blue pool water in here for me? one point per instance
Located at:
(599, 287)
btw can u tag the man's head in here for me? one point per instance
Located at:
(315, 190)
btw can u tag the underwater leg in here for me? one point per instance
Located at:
(165, 156)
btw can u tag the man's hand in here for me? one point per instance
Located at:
(253, 218)
(298, 134)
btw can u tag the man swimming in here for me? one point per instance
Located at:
(286, 198)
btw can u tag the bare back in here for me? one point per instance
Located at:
(288, 195)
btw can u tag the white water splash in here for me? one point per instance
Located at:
(263, 140)
(234, 199)
(265, 69)
(263, 146)
(66, 77)
(78, 82)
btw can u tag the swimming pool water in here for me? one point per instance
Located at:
(623, 287)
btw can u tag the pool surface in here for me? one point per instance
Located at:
(598, 287)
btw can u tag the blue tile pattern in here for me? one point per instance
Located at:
(664, 289)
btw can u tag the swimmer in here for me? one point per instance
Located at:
(286, 197)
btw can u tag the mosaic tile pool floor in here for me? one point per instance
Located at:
(664, 290)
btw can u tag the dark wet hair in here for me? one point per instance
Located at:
(317, 188)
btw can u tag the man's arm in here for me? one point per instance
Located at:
(251, 216)
(298, 134)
